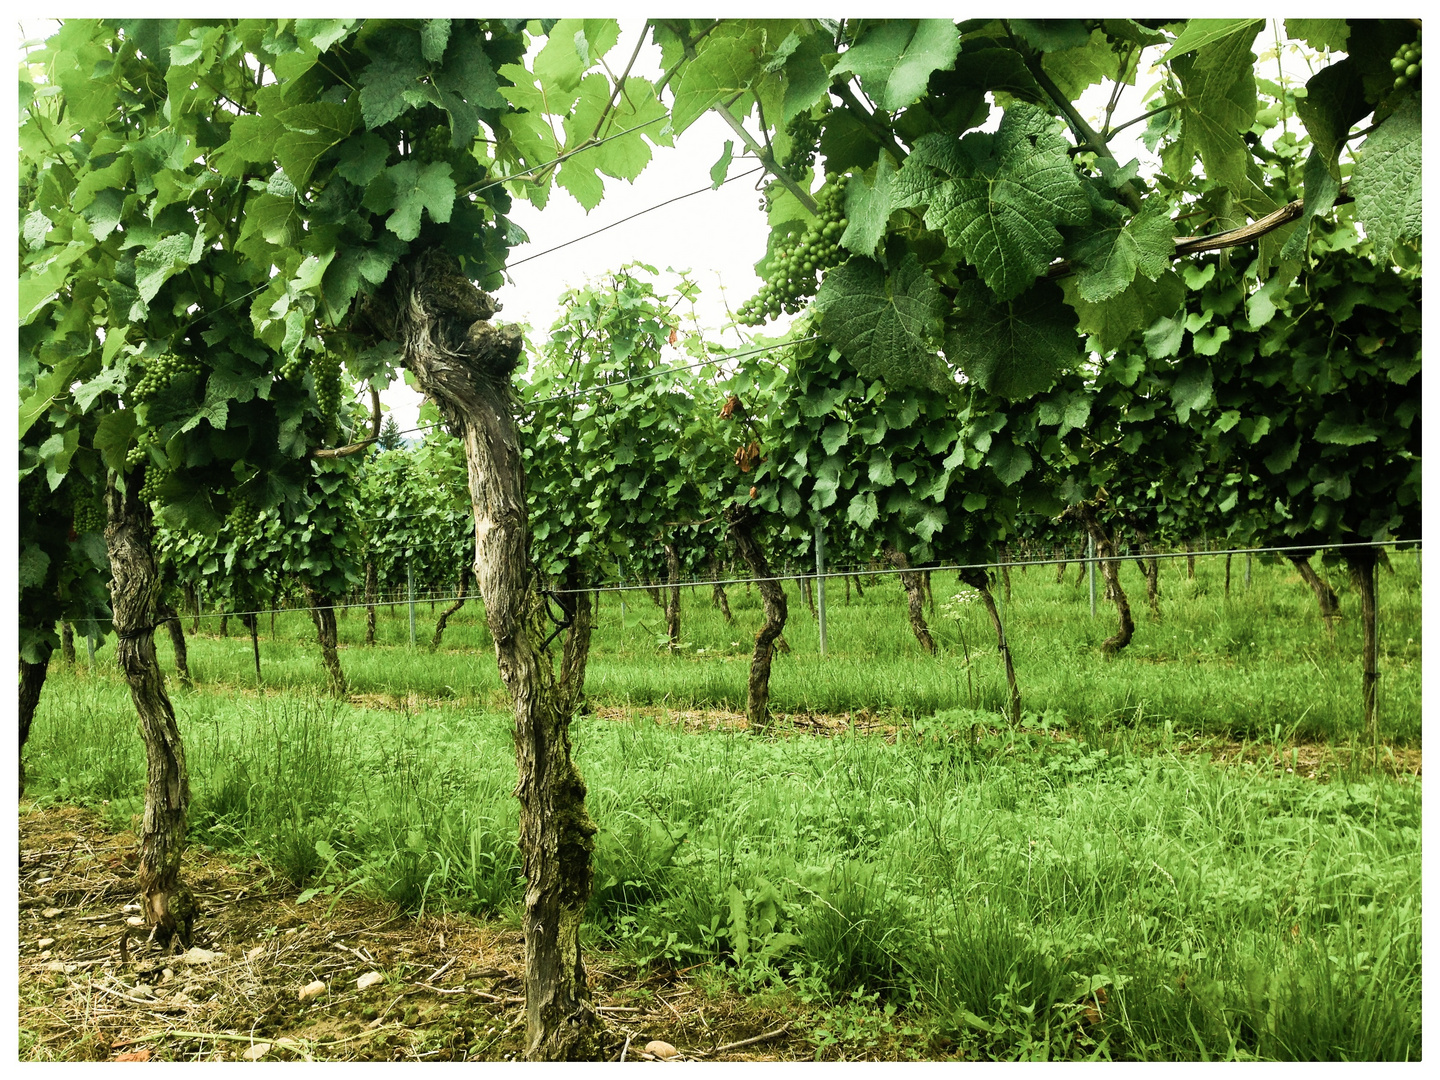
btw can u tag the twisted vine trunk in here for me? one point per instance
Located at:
(441, 622)
(1110, 568)
(463, 364)
(979, 580)
(177, 642)
(579, 608)
(1324, 594)
(717, 594)
(913, 583)
(1362, 563)
(322, 614)
(772, 598)
(251, 623)
(1060, 572)
(67, 643)
(370, 602)
(672, 595)
(169, 906)
(32, 681)
(1004, 573)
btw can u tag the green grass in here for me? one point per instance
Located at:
(1239, 667)
(987, 881)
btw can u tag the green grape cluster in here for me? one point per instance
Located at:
(433, 144)
(160, 372)
(150, 489)
(804, 133)
(1406, 63)
(138, 454)
(87, 510)
(795, 270)
(326, 369)
(243, 523)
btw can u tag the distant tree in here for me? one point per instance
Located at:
(390, 438)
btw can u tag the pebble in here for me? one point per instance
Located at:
(51, 912)
(198, 955)
(313, 990)
(370, 978)
(255, 953)
(256, 1052)
(45, 942)
(135, 920)
(662, 1050)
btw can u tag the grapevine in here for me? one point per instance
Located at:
(795, 270)
(243, 523)
(150, 489)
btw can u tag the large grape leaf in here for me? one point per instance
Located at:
(1201, 32)
(312, 130)
(1014, 348)
(1386, 182)
(1334, 100)
(1113, 250)
(887, 325)
(895, 58)
(999, 196)
(723, 66)
(1219, 81)
(867, 205)
(1324, 34)
(407, 189)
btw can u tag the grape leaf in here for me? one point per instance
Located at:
(1219, 80)
(1334, 100)
(1012, 348)
(1008, 461)
(1193, 389)
(1324, 34)
(158, 263)
(1051, 35)
(1386, 182)
(806, 78)
(723, 66)
(407, 189)
(886, 325)
(434, 36)
(1344, 431)
(895, 58)
(1201, 32)
(867, 205)
(382, 89)
(312, 130)
(997, 197)
(1112, 250)
(721, 168)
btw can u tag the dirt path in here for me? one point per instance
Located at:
(444, 988)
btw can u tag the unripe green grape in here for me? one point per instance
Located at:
(1412, 71)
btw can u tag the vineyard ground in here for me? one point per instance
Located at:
(1121, 875)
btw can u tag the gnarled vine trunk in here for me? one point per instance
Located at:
(451, 610)
(251, 623)
(979, 580)
(463, 364)
(672, 595)
(717, 594)
(1110, 568)
(1324, 594)
(32, 681)
(177, 642)
(1362, 563)
(67, 643)
(370, 602)
(322, 613)
(169, 907)
(772, 599)
(914, 585)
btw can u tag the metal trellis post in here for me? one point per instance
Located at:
(820, 581)
(410, 596)
(1090, 566)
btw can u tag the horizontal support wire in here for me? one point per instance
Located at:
(857, 571)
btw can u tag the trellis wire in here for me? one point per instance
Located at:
(857, 571)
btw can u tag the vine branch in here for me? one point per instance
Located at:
(355, 448)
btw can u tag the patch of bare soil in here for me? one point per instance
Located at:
(357, 980)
